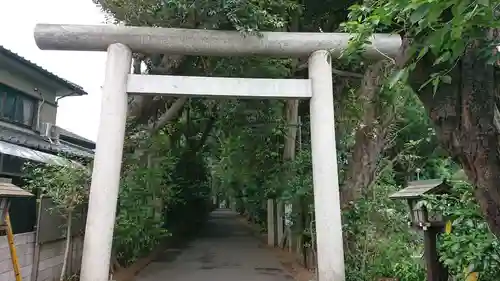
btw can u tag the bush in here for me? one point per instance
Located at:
(468, 244)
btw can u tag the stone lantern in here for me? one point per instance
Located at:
(430, 222)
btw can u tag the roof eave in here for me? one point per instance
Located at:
(76, 89)
(71, 93)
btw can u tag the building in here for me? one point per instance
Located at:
(28, 109)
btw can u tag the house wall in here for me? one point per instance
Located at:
(48, 110)
(48, 113)
(51, 257)
(49, 224)
(50, 262)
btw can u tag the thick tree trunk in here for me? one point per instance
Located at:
(464, 114)
(292, 119)
(370, 138)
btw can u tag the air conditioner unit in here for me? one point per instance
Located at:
(50, 131)
(45, 129)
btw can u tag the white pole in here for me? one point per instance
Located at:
(107, 165)
(330, 252)
(280, 223)
(271, 218)
(233, 205)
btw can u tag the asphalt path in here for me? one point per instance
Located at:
(225, 250)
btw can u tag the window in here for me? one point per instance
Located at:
(16, 106)
(12, 164)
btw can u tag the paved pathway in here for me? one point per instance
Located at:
(225, 251)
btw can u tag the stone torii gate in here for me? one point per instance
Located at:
(120, 42)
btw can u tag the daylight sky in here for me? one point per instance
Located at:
(17, 20)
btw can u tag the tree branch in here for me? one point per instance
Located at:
(336, 72)
(168, 116)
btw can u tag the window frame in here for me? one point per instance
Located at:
(20, 97)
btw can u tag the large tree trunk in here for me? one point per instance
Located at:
(464, 114)
(370, 137)
(292, 117)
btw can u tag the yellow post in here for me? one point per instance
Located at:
(12, 246)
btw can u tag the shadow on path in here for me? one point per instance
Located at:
(225, 250)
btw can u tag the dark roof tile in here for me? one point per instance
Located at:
(78, 89)
(40, 143)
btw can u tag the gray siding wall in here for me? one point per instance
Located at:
(51, 257)
(49, 109)
(48, 113)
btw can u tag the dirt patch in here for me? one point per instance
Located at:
(295, 269)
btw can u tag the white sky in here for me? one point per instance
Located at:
(17, 20)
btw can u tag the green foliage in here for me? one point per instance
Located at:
(68, 186)
(470, 246)
(156, 195)
(383, 245)
(248, 161)
(442, 29)
(247, 16)
(138, 227)
(300, 183)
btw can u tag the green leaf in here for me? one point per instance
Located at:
(435, 84)
(446, 79)
(459, 8)
(420, 13)
(456, 32)
(397, 77)
(457, 48)
(422, 52)
(435, 41)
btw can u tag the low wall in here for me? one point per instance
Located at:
(50, 261)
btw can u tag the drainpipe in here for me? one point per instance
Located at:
(64, 96)
(38, 112)
(36, 254)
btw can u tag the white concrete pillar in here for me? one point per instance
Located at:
(330, 251)
(107, 166)
(288, 225)
(233, 205)
(271, 223)
(280, 223)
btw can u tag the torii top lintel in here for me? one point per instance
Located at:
(204, 42)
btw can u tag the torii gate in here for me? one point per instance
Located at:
(120, 42)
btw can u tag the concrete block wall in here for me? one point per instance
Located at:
(50, 261)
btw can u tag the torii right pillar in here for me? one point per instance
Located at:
(329, 242)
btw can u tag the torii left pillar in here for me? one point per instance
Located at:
(106, 173)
